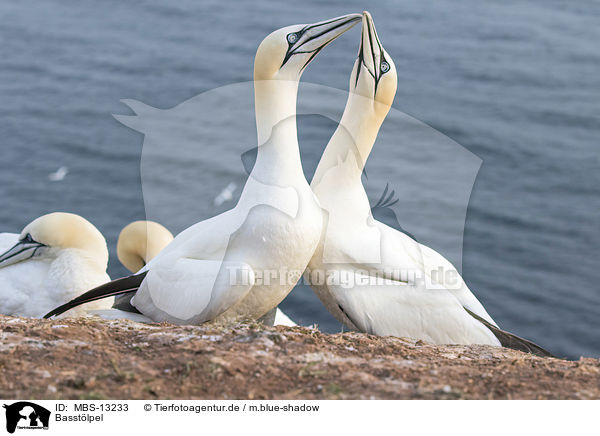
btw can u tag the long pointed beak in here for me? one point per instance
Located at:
(313, 37)
(370, 47)
(19, 252)
(324, 32)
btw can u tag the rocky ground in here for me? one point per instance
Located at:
(89, 358)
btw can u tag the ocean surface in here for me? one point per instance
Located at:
(502, 176)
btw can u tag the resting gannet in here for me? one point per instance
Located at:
(141, 241)
(138, 243)
(374, 278)
(54, 259)
(244, 262)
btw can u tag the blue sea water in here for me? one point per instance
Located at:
(516, 83)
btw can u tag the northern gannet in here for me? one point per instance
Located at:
(54, 259)
(371, 277)
(139, 242)
(245, 261)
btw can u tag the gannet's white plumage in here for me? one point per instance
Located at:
(54, 259)
(216, 268)
(139, 242)
(356, 248)
(7, 240)
(282, 319)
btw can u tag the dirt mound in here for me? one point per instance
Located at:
(90, 358)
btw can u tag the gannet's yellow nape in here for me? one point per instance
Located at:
(52, 260)
(141, 241)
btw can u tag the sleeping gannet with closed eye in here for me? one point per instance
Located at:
(370, 272)
(54, 259)
(244, 262)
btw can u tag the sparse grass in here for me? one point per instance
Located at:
(92, 396)
(248, 360)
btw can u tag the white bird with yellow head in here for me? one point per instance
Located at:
(54, 259)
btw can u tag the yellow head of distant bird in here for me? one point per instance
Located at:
(285, 53)
(48, 235)
(139, 242)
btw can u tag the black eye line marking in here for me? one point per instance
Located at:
(301, 32)
(316, 52)
(289, 53)
(372, 35)
(35, 251)
(361, 60)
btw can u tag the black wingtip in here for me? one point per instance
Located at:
(514, 342)
(110, 289)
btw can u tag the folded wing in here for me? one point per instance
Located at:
(192, 291)
(389, 308)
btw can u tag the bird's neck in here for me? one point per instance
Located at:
(73, 270)
(132, 260)
(356, 133)
(83, 259)
(278, 156)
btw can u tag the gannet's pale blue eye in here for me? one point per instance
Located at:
(292, 38)
(385, 67)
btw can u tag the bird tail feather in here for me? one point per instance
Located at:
(110, 289)
(509, 340)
